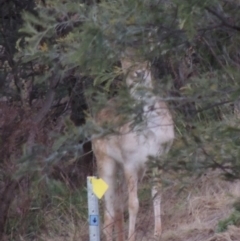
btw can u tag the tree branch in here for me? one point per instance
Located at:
(48, 101)
(212, 106)
(223, 20)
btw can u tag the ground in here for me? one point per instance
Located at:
(192, 214)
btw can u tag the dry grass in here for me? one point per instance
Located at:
(201, 208)
(192, 215)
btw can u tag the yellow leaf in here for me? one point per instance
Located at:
(182, 23)
(213, 87)
(186, 87)
(131, 20)
(43, 47)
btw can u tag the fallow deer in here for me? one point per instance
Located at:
(128, 151)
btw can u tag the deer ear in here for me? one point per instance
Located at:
(127, 59)
(126, 65)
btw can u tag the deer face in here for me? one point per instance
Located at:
(138, 76)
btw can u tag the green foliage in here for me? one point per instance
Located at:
(48, 201)
(67, 200)
(88, 40)
(233, 219)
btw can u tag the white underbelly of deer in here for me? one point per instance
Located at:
(138, 145)
(130, 150)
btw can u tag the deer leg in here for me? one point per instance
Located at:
(133, 204)
(107, 171)
(119, 208)
(156, 196)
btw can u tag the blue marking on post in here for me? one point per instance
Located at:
(94, 220)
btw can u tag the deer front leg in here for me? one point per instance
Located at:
(113, 214)
(107, 171)
(156, 196)
(131, 176)
(119, 208)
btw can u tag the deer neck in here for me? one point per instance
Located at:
(141, 88)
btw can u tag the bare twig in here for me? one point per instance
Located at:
(223, 20)
(218, 165)
(212, 106)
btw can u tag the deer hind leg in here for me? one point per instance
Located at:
(156, 196)
(119, 208)
(112, 211)
(131, 176)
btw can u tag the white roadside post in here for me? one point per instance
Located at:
(96, 189)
